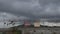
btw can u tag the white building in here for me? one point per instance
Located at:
(44, 22)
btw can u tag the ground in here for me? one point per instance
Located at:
(42, 30)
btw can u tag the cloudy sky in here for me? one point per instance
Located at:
(30, 8)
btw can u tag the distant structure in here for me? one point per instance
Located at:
(26, 23)
(50, 22)
(37, 23)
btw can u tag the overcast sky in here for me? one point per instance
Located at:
(30, 8)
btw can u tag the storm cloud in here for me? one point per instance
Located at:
(31, 8)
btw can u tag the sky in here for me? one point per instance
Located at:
(32, 9)
(29, 9)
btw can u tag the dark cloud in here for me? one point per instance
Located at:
(31, 8)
